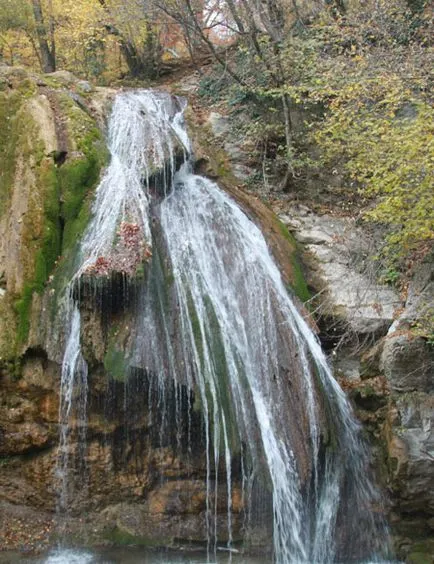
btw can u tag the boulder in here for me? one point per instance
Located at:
(239, 157)
(411, 453)
(337, 253)
(408, 362)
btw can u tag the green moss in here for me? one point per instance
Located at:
(4, 461)
(123, 538)
(8, 332)
(195, 326)
(78, 177)
(46, 246)
(76, 181)
(65, 193)
(41, 234)
(212, 339)
(219, 363)
(27, 88)
(58, 203)
(9, 106)
(419, 558)
(11, 101)
(12, 367)
(298, 285)
(115, 363)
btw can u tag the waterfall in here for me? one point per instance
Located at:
(214, 325)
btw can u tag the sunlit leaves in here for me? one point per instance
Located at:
(384, 137)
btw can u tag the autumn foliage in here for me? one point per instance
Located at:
(129, 253)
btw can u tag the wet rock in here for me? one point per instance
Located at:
(408, 362)
(128, 254)
(133, 524)
(20, 438)
(411, 453)
(189, 496)
(28, 410)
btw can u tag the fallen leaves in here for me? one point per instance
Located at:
(129, 252)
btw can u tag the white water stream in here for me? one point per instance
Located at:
(265, 390)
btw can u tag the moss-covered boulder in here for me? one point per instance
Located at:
(51, 154)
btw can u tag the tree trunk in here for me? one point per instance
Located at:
(47, 52)
(142, 63)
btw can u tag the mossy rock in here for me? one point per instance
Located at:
(116, 364)
(420, 558)
(10, 103)
(8, 328)
(422, 552)
(120, 537)
(56, 198)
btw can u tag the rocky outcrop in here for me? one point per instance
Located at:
(137, 483)
(51, 132)
(52, 153)
(217, 160)
(407, 360)
(338, 252)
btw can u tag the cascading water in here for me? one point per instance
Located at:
(214, 323)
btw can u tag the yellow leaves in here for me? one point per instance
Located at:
(84, 44)
(386, 137)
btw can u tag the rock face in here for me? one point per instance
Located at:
(52, 153)
(378, 346)
(386, 365)
(407, 363)
(411, 452)
(339, 253)
(221, 128)
(137, 482)
(407, 360)
(55, 150)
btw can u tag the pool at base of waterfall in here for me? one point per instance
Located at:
(140, 555)
(128, 555)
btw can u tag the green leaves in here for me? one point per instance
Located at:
(385, 136)
(367, 76)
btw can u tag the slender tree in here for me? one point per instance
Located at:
(45, 35)
(142, 55)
